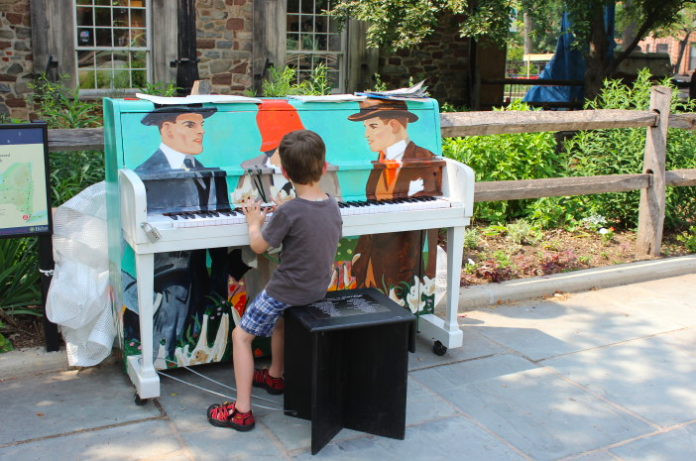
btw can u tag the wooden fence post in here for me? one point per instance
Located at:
(651, 216)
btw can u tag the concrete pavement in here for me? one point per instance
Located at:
(598, 375)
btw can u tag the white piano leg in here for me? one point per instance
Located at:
(140, 368)
(447, 330)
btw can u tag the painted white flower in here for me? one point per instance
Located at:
(414, 299)
(393, 297)
(202, 353)
(245, 192)
(429, 285)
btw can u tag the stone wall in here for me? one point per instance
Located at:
(16, 65)
(442, 60)
(224, 29)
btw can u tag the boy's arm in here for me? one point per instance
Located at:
(255, 217)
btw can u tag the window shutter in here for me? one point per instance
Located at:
(269, 37)
(362, 62)
(163, 37)
(52, 34)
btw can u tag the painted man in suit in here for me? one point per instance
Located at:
(181, 131)
(176, 180)
(402, 169)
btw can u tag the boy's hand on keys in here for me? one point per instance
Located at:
(255, 214)
(280, 198)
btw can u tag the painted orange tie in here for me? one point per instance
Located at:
(390, 167)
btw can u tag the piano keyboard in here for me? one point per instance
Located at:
(228, 216)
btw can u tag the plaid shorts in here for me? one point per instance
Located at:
(261, 315)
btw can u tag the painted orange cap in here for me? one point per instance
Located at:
(276, 118)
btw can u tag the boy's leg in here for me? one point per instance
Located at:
(243, 367)
(278, 350)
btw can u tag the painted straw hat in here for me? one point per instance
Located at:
(370, 108)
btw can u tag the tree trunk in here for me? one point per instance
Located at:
(680, 55)
(596, 58)
(528, 29)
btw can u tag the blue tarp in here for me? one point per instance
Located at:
(568, 63)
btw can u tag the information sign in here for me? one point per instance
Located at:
(25, 203)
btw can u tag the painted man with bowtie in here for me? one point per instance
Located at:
(401, 170)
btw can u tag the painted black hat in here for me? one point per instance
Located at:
(168, 113)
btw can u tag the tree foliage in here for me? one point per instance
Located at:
(406, 23)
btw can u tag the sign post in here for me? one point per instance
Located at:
(25, 199)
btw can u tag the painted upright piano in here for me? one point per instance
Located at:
(180, 268)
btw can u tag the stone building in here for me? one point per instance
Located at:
(106, 46)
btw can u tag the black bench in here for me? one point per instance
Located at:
(346, 364)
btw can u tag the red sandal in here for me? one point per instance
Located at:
(226, 415)
(274, 386)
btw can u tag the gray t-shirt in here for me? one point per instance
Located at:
(309, 232)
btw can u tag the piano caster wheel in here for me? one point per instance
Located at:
(140, 402)
(439, 349)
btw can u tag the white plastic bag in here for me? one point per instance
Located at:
(78, 299)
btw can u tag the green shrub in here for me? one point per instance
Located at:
(72, 172)
(62, 108)
(521, 232)
(159, 89)
(19, 276)
(620, 151)
(506, 157)
(688, 238)
(284, 82)
(471, 238)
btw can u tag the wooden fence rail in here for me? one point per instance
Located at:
(457, 124)
(651, 181)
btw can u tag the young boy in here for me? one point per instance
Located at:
(309, 227)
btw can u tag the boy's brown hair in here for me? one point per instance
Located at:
(302, 154)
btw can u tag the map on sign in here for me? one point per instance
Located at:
(16, 187)
(23, 200)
